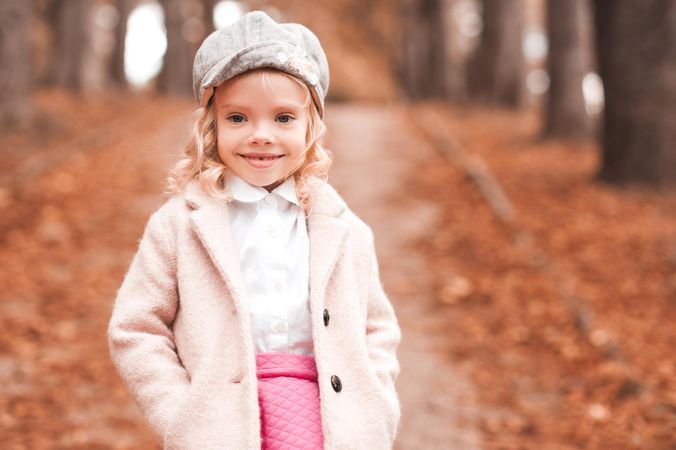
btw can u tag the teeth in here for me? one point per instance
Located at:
(263, 158)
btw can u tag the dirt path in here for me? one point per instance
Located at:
(375, 153)
(68, 238)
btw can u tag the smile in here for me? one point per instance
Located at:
(261, 157)
(260, 160)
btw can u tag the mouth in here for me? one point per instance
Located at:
(260, 160)
(260, 156)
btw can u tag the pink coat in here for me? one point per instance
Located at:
(180, 331)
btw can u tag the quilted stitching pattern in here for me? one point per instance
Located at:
(288, 395)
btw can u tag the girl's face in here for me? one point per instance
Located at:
(262, 123)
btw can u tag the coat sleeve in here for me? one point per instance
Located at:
(140, 337)
(382, 329)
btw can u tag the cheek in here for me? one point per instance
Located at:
(225, 151)
(225, 141)
(301, 141)
(300, 137)
(299, 146)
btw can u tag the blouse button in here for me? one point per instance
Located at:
(280, 327)
(273, 231)
(336, 383)
(326, 317)
(269, 199)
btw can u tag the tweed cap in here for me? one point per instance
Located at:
(256, 41)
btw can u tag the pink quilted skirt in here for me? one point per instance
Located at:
(288, 396)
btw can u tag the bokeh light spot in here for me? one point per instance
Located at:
(145, 44)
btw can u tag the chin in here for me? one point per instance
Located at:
(272, 184)
(263, 183)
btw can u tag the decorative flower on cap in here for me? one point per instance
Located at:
(299, 62)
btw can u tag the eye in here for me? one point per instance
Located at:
(236, 118)
(284, 118)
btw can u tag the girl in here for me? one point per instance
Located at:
(252, 315)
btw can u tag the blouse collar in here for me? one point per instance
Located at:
(242, 191)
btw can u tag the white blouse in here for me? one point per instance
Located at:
(270, 233)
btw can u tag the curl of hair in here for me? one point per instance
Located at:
(201, 160)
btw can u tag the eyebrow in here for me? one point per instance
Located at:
(281, 106)
(231, 105)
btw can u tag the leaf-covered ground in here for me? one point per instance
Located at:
(564, 316)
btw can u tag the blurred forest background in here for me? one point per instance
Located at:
(551, 129)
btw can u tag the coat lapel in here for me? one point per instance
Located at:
(211, 222)
(327, 232)
(327, 237)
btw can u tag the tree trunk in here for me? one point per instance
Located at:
(637, 63)
(117, 73)
(456, 54)
(15, 70)
(424, 62)
(176, 75)
(497, 68)
(45, 12)
(208, 16)
(568, 61)
(71, 38)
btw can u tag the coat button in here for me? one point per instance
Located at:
(336, 383)
(326, 317)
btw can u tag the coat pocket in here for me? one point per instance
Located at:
(389, 409)
(213, 415)
(177, 418)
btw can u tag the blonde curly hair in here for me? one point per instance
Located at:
(201, 159)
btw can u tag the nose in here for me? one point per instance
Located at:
(261, 135)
